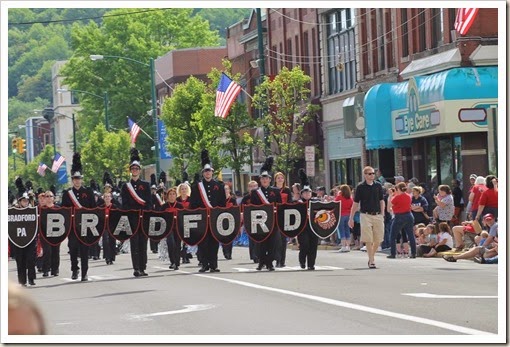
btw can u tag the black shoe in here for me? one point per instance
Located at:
(302, 265)
(204, 269)
(228, 257)
(137, 273)
(75, 275)
(311, 268)
(259, 267)
(143, 273)
(479, 260)
(215, 270)
(84, 278)
(54, 273)
(45, 274)
(392, 256)
(186, 261)
(31, 282)
(95, 258)
(271, 268)
(176, 267)
(412, 256)
(39, 269)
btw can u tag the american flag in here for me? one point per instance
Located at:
(41, 169)
(57, 161)
(464, 20)
(134, 130)
(226, 94)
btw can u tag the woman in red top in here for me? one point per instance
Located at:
(403, 221)
(474, 196)
(344, 232)
(489, 199)
(173, 241)
(280, 252)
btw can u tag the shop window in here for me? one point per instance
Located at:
(345, 171)
(405, 33)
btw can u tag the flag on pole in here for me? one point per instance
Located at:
(226, 94)
(41, 169)
(57, 161)
(464, 20)
(134, 130)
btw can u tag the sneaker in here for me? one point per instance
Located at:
(342, 250)
(347, 248)
(363, 249)
(379, 249)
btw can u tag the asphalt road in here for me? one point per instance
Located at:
(341, 301)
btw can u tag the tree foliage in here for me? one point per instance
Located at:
(138, 37)
(284, 102)
(105, 151)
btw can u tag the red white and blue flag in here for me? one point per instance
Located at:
(464, 20)
(226, 94)
(41, 169)
(134, 130)
(57, 162)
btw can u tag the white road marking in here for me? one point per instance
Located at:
(187, 309)
(426, 321)
(91, 278)
(287, 268)
(65, 323)
(438, 296)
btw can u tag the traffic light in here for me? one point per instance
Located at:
(21, 146)
(15, 144)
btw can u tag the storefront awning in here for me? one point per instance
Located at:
(428, 105)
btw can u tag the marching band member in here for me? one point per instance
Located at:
(254, 247)
(109, 243)
(25, 257)
(208, 193)
(136, 195)
(184, 192)
(281, 241)
(231, 201)
(308, 241)
(78, 196)
(173, 240)
(266, 195)
(157, 202)
(51, 254)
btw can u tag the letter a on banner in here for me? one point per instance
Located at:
(123, 224)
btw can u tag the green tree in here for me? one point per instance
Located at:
(286, 107)
(105, 151)
(138, 36)
(19, 111)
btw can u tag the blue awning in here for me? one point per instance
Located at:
(435, 90)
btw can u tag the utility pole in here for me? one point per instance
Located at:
(262, 71)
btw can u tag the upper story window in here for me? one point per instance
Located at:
(341, 56)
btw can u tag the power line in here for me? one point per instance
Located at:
(87, 18)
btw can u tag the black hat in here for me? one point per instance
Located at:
(206, 162)
(76, 168)
(265, 170)
(22, 194)
(135, 158)
(305, 183)
(107, 180)
(153, 181)
(185, 177)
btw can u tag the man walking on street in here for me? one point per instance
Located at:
(369, 198)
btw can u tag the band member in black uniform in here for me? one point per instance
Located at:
(78, 196)
(308, 241)
(208, 193)
(95, 249)
(173, 240)
(266, 195)
(231, 201)
(25, 257)
(183, 194)
(109, 243)
(254, 247)
(51, 254)
(136, 195)
(280, 251)
(157, 202)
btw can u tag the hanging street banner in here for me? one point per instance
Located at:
(22, 225)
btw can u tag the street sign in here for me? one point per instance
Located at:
(310, 168)
(310, 153)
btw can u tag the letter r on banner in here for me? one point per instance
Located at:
(259, 217)
(89, 221)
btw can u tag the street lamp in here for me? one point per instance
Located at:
(153, 97)
(104, 97)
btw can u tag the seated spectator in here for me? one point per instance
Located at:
(489, 248)
(459, 231)
(420, 236)
(25, 317)
(430, 240)
(480, 239)
(444, 241)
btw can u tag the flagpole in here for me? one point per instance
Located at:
(245, 92)
(146, 134)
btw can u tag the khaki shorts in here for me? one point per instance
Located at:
(372, 228)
